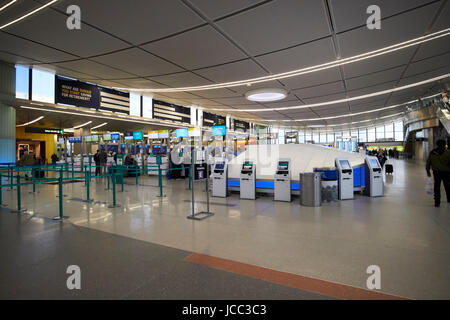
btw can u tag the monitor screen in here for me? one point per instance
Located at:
(106, 137)
(194, 132)
(61, 140)
(219, 130)
(345, 165)
(128, 136)
(115, 137)
(163, 134)
(94, 138)
(283, 165)
(247, 166)
(375, 163)
(220, 166)
(87, 138)
(182, 133)
(137, 135)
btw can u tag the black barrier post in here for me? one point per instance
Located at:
(160, 182)
(114, 205)
(60, 191)
(1, 190)
(19, 200)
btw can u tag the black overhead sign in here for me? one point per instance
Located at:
(241, 125)
(210, 119)
(44, 130)
(171, 112)
(86, 95)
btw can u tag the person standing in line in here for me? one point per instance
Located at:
(97, 162)
(103, 159)
(439, 161)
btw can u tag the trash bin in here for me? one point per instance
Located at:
(310, 189)
(329, 184)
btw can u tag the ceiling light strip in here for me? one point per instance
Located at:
(28, 123)
(324, 66)
(7, 5)
(100, 125)
(28, 14)
(326, 103)
(82, 125)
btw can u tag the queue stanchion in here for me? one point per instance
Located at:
(19, 199)
(88, 178)
(160, 182)
(113, 177)
(10, 172)
(108, 171)
(33, 173)
(60, 201)
(136, 172)
(122, 172)
(1, 191)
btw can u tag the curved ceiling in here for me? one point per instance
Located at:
(177, 43)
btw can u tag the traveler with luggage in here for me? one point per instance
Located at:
(439, 161)
(97, 162)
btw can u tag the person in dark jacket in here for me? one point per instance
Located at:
(97, 162)
(103, 159)
(439, 161)
(54, 158)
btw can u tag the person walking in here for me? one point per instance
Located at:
(439, 161)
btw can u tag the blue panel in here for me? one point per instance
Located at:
(359, 177)
(295, 186)
(263, 184)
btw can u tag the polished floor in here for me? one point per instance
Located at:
(402, 233)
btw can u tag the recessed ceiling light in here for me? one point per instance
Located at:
(266, 94)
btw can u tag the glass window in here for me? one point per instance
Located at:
(346, 134)
(399, 136)
(147, 107)
(354, 134)
(301, 137)
(389, 131)
(323, 137)
(330, 137)
(398, 126)
(371, 135)
(363, 135)
(22, 82)
(380, 132)
(316, 137)
(135, 104)
(281, 136)
(43, 86)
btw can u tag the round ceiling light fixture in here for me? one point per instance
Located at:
(266, 94)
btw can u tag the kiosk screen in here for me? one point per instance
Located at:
(283, 165)
(247, 166)
(220, 166)
(374, 163)
(345, 165)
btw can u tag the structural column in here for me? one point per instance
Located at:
(7, 113)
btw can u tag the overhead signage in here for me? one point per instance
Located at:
(107, 137)
(128, 136)
(43, 130)
(240, 125)
(219, 130)
(171, 112)
(182, 133)
(210, 119)
(115, 137)
(153, 134)
(87, 95)
(194, 132)
(163, 134)
(74, 139)
(137, 135)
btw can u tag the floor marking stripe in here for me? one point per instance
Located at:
(327, 288)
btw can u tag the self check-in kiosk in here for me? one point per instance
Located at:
(373, 177)
(219, 177)
(282, 181)
(345, 175)
(248, 180)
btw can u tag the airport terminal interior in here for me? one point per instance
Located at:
(212, 149)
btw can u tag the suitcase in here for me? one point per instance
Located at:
(389, 168)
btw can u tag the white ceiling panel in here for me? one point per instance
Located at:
(425, 65)
(424, 76)
(198, 48)
(282, 104)
(325, 89)
(29, 49)
(216, 93)
(95, 69)
(352, 13)
(141, 83)
(270, 27)
(235, 101)
(138, 62)
(374, 78)
(240, 70)
(433, 48)
(138, 21)
(306, 55)
(312, 79)
(325, 98)
(52, 31)
(216, 9)
(380, 63)
(394, 30)
(371, 89)
(181, 79)
(13, 58)
(66, 72)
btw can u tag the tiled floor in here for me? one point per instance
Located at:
(401, 232)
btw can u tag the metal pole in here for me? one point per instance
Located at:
(33, 172)
(207, 187)
(88, 178)
(121, 168)
(60, 184)
(114, 188)
(160, 180)
(192, 186)
(1, 190)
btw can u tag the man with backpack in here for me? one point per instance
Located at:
(439, 161)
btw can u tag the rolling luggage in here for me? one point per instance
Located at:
(389, 168)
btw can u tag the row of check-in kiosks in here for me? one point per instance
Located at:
(282, 179)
